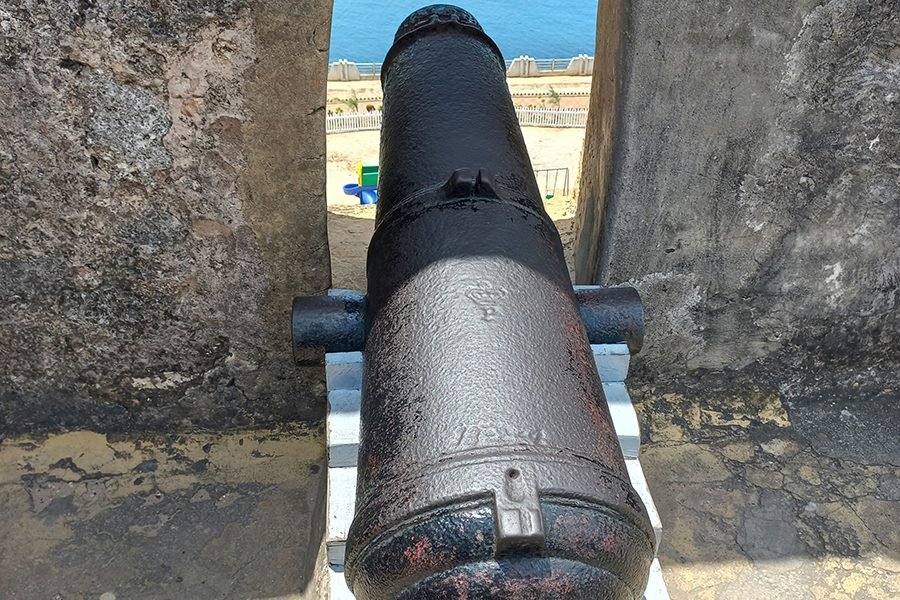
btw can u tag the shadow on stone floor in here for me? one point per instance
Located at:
(194, 516)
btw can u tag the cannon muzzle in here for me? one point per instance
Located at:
(488, 463)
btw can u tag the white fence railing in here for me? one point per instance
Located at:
(522, 66)
(553, 65)
(550, 117)
(528, 117)
(369, 70)
(360, 121)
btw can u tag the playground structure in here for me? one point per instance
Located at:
(552, 180)
(366, 187)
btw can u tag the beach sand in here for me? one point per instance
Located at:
(350, 223)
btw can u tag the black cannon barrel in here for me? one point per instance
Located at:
(488, 463)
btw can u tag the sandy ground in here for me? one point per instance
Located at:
(350, 224)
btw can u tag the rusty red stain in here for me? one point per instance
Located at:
(419, 554)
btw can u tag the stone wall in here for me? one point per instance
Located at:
(162, 198)
(742, 170)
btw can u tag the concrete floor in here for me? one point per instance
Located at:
(751, 510)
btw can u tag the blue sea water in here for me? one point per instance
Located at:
(362, 30)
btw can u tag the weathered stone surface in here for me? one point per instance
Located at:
(161, 201)
(200, 516)
(753, 197)
(751, 509)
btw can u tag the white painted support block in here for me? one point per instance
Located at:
(341, 506)
(337, 585)
(343, 427)
(656, 586)
(639, 483)
(343, 370)
(612, 361)
(624, 418)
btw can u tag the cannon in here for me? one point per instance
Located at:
(488, 465)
